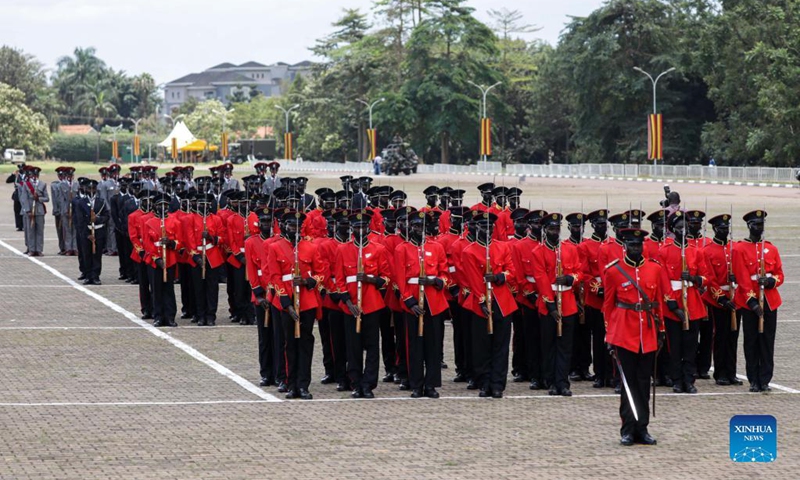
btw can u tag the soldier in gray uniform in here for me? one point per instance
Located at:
(68, 192)
(272, 181)
(107, 188)
(229, 183)
(56, 190)
(33, 196)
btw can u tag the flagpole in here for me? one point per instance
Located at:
(654, 82)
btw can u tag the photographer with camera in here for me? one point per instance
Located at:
(670, 204)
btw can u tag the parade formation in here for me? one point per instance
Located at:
(630, 308)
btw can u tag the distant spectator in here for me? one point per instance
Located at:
(712, 162)
(376, 164)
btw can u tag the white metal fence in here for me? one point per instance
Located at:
(687, 172)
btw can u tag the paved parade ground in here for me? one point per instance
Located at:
(87, 390)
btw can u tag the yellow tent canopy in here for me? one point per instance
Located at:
(198, 146)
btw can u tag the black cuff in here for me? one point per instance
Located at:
(380, 283)
(672, 305)
(344, 296)
(438, 283)
(313, 283)
(335, 297)
(570, 280)
(286, 302)
(258, 291)
(698, 281)
(551, 306)
(410, 302)
(752, 303)
(500, 278)
(771, 282)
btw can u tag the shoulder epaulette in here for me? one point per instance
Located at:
(611, 264)
(654, 261)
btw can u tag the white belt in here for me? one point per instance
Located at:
(288, 277)
(259, 273)
(725, 288)
(205, 247)
(561, 288)
(415, 280)
(598, 279)
(97, 226)
(451, 269)
(678, 284)
(530, 279)
(755, 277)
(351, 279)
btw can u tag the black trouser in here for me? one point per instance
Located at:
(490, 352)
(325, 340)
(59, 232)
(188, 306)
(424, 353)
(164, 307)
(338, 346)
(518, 364)
(278, 344)
(299, 351)
(533, 343)
(706, 330)
(145, 295)
(80, 241)
(363, 373)
(459, 348)
(124, 253)
(206, 293)
(401, 348)
(243, 309)
(93, 262)
(265, 357)
(387, 341)
(226, 275)
(557, 351)
(602, 360)
(637, 368)
(682, 351)
(581, 346)
(759, 348)
(725, 342)
(17, 214)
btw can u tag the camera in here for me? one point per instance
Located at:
(665, 203)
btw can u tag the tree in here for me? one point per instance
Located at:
(21, 127)
(146, 95)
(74, 74)
(23, 72)
(95, 102)
(205, 122)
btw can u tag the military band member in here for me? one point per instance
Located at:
(719, 300)
(495, 304)
(33, 196)
(557, 268)
(423, 352)
(682, 342)
(753, 303)
(362, 322)
(92, 216)
(161, 242)
(634, 331)
(284, 278)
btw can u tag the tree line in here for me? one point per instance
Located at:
(732, 96)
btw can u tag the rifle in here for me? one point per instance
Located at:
(559, 295)
(684, 283)
(164, 246)
(92, 218)
(421, 299)
(297, 274)
(729, 259)
(762, 272)
(360, 270)
(205, 231)
(489, 300)
(69, 207)
(579, 293)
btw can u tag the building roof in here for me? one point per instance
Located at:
(211, 77)
(76, 129)
(304, 63)
(223, 65)
(252, 64)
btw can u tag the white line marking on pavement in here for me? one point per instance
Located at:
(110, 328)
(773, 385)
(126, 404)
(191, 351)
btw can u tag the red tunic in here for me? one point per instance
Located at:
(746, 266)
(255, 260)
(192, 238)
(592, 271)
(626, 328)
(407, 272)
(280, 263)
(718, 258)
(544, 268)
(134, 233)
(473, 268)
(235, 238)
(523, 251)
(652, 247)
(327, 251)
(391, 242)
(670, 260)
(376, 223)
(315, 225)
(374, 262)
(151, 239)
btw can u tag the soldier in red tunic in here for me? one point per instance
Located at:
(654, 242)
(487, 199)
(391, 343)
(582, 339)
(682, 342)
(719, 300)
(257, 274)
(634, 331)
(161, 233)
(756, 297)
(296, 272)
(519, 367)
(489, 299)
(557, 268)
(362, 273)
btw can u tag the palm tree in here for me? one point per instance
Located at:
(96, 101)
(74, 73)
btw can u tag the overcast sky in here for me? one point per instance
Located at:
(171, 38)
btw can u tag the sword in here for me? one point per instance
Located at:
(625, 385)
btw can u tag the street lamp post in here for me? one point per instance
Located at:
(114, 137)
(286, 113)
(654, 82)
(484, 91)
(370, 106)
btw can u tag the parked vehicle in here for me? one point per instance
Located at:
(13, 155)
(256, 149)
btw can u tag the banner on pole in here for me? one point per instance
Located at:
(655, 147)
(372, 134)
(287, 146)
(136, 146)
(174, 148)
(114, 149)
(224, 145)
(486, 136)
